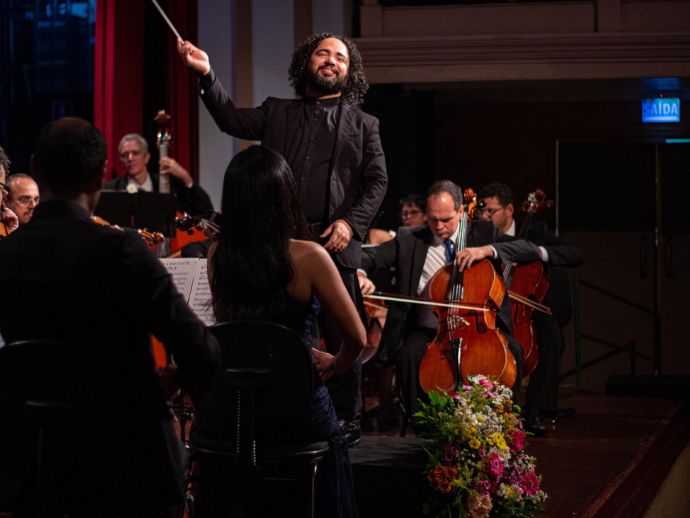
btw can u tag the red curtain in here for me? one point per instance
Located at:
(119, 71)
(119, 77)
(183, 89)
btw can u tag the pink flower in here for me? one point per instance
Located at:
(495, 466)
(518, 440)
(529, 483)
(450, 453)
(483, 487)
(486, 383)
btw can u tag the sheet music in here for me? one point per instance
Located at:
(183, 271)
(200, 296)
(191, 279)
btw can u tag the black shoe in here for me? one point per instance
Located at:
(534, 425)
(351, 432)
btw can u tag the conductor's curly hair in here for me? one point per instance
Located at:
(356, 85)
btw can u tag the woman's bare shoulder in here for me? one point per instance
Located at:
(307, 253)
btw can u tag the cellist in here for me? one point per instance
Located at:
(417, 253)
(542, 390)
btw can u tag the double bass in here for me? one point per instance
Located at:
(467, 341)
(185, 234)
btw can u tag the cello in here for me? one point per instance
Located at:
(467, 341)
(529, 284)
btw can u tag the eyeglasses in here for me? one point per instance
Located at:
(25, 200)
(490, 212)
(410, 213)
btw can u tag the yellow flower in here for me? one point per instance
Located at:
(474, 443)
(499, 441)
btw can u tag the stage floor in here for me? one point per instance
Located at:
(607, 460)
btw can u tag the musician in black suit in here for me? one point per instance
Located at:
(417, 253)
(542, 390)
(65, 274)
(332, 147)
(134, 155)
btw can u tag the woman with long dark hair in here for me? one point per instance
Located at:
(261, 268)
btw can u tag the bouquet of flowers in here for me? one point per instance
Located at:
(477, 465)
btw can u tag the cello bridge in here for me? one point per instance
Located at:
(455, 321)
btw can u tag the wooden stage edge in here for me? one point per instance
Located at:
(608, 460)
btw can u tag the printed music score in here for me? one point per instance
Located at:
(191, 279)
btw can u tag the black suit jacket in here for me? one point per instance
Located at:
(407, 254)
(194, 201)
(561, 255)
(65, 274)
(358, 179)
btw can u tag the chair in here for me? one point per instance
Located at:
(42, 400)
(265, 389)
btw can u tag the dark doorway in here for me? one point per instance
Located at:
(623, 205)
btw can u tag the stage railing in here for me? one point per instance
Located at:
(629, 348)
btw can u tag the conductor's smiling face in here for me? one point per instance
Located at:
(328, 67)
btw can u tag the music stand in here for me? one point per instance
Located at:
(150, 210)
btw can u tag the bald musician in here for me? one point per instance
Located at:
(23, 196)
(417, 253)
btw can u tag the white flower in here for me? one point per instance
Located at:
(131, 188)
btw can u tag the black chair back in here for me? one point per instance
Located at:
(251, 430)
(286, 396)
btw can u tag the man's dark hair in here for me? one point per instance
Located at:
(414, 199)
(451, 188)
(497, 190)
(69, 156)
(356, 85)
(4, 161)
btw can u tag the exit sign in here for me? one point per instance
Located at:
(661, 109)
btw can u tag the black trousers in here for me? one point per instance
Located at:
(344, 389)
(542, 389)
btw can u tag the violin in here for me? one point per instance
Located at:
(4, 231)
(529, 285)
(210, 224)
(6, 228)
(153, 239)
(467, 341)
(376, 312)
